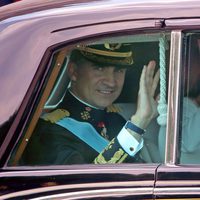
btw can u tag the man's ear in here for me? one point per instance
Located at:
(72, 71)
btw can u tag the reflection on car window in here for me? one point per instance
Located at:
(103, 106)
(190, 139)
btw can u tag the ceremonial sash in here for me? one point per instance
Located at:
(84, 131)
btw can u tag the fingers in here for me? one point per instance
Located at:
(151, 80)
(149, 74)
(142, 79)
(146, 105)
(155, 82)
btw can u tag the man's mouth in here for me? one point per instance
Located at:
(105, 91)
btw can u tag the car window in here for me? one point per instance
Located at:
(81, 111)
(189, 136)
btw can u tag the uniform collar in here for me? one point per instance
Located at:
(80, 110)
(83, 102)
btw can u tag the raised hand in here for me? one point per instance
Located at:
(146, 105)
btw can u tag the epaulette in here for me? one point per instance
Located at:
(55, 116)
(113, 108)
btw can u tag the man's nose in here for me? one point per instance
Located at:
(109, 78)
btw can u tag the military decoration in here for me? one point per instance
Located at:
(103, 129)
(85, 115)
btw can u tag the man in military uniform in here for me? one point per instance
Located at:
(85, 127)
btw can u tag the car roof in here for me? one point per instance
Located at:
(156, 8)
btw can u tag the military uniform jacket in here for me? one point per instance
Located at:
(52, 144)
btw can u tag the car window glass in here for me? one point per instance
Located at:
(92, 97)
(189, 137)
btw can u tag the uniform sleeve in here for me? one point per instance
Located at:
(121, 148)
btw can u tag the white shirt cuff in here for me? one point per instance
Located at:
(128, 142)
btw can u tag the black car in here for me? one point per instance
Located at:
(36, 38)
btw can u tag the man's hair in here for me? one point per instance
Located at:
(76, 57)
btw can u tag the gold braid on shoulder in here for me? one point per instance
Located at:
(55, 115)
(113, 108)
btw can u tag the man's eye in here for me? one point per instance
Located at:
(98, 68)
(120, 70)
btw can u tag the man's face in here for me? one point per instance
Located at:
(96, 85)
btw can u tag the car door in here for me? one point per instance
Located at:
(79, 181)
(53, 39)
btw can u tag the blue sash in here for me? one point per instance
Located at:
(84, 131)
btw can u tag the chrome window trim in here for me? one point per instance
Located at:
(172, 130)
(170, 191)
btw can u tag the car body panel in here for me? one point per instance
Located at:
(113, 181)
(117, 9)
(179, 181)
